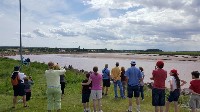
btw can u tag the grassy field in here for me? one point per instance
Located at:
(72, 99)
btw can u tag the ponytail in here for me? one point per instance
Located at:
(177, 81)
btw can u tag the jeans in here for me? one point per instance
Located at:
(124, 83)
(119, 83)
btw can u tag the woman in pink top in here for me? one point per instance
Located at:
(96, 91)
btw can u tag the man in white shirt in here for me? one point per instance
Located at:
(53, 87)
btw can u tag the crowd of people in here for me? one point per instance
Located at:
(131, 81)
(96, 85)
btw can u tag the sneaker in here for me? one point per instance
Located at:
(116, 97)
(142, 99)
(101, 111)
(129, 111)
(138, 110)
(123, 97)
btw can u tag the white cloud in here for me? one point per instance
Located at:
(116, 24)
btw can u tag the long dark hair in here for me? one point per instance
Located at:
(177, 80)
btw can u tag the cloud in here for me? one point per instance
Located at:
(40, 33)
(116, 24)
(28, 35)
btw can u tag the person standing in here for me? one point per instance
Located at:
(53, 87)
(142, 83)
(116, 76)
(28, 82)
(194, 102)
(134, 77)
(18, 87)
(159, 76)
(86, 90)
(106, 79)
(123, 80)
(62, 83)
(96, 90)
(175, 88)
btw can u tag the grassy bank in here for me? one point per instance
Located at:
(72, 99)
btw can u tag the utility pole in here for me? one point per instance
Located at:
(20, 32)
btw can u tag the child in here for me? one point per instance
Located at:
(142, 83)
(175, 87)
(96, 90)
(28, 83)
(195, 91)
(123, 80)
(159, 76)
(86, 90)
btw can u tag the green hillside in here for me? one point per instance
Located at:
(72, 99)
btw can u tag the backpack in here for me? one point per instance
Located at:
(15, 81)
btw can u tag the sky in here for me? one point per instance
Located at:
(169, 25)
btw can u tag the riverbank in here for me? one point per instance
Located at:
(72, 99)
(136, 56)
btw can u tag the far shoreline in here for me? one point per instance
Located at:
(135, 56)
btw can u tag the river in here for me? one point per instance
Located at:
(87, 63)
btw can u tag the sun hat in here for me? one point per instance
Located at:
(133, 62)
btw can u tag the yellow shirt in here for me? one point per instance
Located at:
(116, 73)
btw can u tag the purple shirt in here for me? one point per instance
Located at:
(96, 81)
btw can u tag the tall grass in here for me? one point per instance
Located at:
(72, 99)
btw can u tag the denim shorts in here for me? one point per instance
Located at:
(158, 97)
(174, 95)
(134, 89)
(85, 98)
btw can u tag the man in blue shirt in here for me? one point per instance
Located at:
(134, 77)
(106, 79)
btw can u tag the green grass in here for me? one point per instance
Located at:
(72, 99)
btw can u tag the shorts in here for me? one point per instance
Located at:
(85, 98)
(106, 82)
(158, 97)
(135, 89)
(194, 101)
(174, 95)
(19, 90)
(96, 94)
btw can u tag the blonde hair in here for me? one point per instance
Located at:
(56, 67)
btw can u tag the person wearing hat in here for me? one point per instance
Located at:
(53, 87)
(175, 88)
(116, 76)
(194, 102)
(159, 75)
(19, 89)
(134, 77)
